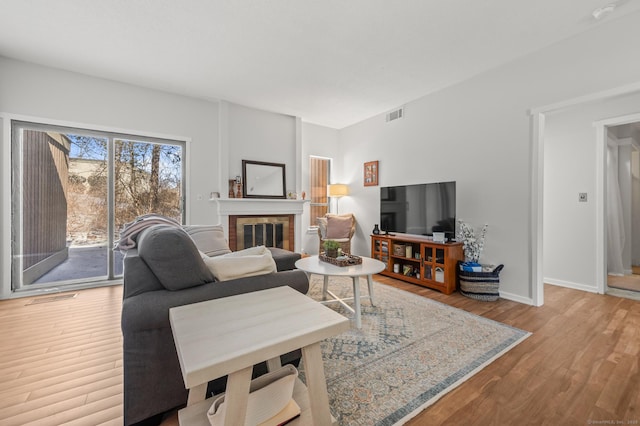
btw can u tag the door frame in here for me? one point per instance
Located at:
(602, 127)
(6, 119)
(538, 116)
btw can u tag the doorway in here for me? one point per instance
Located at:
(623, 202)
(574, 253)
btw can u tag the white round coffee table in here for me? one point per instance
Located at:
(368, 267)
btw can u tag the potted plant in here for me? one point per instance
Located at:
(331, 248)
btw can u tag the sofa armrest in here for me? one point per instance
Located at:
(285, 259)
(150, 310)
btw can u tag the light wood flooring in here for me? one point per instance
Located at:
(626, 282)
(61, 362)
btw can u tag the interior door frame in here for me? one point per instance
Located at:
(538, 116)
(602, 127)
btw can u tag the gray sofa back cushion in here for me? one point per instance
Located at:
(173, 257)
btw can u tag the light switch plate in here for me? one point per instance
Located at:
(582, 197)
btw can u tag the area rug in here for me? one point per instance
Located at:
(409, 352)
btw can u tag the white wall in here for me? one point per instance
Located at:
(68, 98)
(569, 168)
(321, 142)
(478, 133)
(261, 136)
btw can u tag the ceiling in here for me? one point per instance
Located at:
(333, 63)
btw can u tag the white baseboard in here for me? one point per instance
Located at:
(516, 298)
(569, 284)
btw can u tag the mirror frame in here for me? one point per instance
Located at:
(249, 170)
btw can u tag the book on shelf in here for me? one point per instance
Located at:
(290, 412)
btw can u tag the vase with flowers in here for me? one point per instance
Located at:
(472, 243)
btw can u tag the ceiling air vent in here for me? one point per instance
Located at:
(395, 114)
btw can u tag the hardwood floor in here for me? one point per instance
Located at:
(61, 362)
(626, 282)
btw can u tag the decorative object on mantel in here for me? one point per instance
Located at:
(263, 180)
(476, 282)
(331, 248)
(304, 195)
(238, 187)
(232, 188)
(371, 173)
(292, 195)
(344, 260)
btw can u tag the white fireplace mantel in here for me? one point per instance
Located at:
(259, 207)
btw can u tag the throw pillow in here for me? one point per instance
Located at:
(322, 226)
(244, 263)
(173, 257)
(339, 226)
(209, 239)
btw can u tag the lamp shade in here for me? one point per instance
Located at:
(338, 190)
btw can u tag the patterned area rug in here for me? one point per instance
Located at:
(410, 352)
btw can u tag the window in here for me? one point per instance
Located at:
(72, 192)
(319, 172)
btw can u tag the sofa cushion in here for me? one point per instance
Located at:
(339, 226)
(209, 239)
(244, 263)
(173, 257)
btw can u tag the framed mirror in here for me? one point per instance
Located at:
(263, 180)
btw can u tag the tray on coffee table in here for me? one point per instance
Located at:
(349, 260)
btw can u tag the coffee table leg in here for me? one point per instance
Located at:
(325, 285)
(356, 301)
(370, 283)
(316, 384)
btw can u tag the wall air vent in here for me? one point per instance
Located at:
(395, 114)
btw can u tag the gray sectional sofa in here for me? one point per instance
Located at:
(164, 270)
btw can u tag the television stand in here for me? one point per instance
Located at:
(418, 260)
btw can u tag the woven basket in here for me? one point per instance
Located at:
(484, 286)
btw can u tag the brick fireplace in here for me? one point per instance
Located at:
(250, 222)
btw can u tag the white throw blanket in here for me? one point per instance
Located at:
(131, 230)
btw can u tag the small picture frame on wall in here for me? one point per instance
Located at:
(371, 173)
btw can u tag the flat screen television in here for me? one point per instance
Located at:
(419, 209)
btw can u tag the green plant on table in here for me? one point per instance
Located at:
(331, 245)
(331, 248)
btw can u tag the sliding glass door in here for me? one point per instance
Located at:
(72, 192)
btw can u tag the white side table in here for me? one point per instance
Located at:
(368, 267)
(228, 336)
